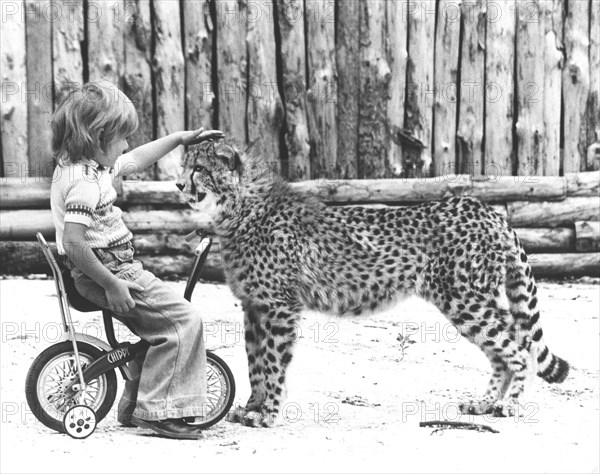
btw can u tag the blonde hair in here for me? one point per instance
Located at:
(89, 119)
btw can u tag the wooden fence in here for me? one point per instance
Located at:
(336, 89)
(339, 94)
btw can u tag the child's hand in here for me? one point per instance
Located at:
(200, 135)
(119, 296)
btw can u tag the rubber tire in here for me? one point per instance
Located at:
(38, 366)
(230, 396)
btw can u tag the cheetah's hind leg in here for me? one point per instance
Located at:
(484, 321)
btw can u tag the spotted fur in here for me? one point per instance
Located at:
(283, 252)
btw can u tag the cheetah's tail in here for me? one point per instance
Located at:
(521, 292)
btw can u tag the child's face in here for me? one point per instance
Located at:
(114, 149)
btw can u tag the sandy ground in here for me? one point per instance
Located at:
(357, 392)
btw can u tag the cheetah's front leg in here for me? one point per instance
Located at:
(279, 326)
(255, 342)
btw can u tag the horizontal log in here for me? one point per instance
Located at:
(18, 258)
(535, 240)
(150, 192)
(17, 193)
(29, 192)
(565, 264)
(553, 214)
(587, 236)
(583, 184)
(23, 224)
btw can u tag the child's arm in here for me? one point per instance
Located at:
(143, 156)
(81, 254)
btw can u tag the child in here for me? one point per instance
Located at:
(90, 129)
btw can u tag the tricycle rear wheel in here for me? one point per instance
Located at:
(51, 373)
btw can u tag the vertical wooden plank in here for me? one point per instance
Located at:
(375, 75)
(265, 111)
(105, 22)
(530, 82)
(447, 49)
(290, 16)
(500, 54)
(39, 89)
(322, 92)
(472, 81)
(347, 57)
(552, 16)
(576, 85)
(137, 74)
(198, 33)
(593, 116)
(169, 82)
(420, 76)
(232, 58)
(13, 109)
(67, 39)
(397, 32)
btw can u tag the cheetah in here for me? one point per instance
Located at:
(283, 252)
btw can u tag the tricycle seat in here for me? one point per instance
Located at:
(75, 299)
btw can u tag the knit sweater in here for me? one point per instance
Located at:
(83, 193)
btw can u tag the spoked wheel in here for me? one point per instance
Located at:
(50, 376)
(220, 391)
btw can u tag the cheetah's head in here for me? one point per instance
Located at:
(211, 175)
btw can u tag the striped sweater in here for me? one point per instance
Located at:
(83, 193)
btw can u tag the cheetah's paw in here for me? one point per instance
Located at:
(504, 409)
(257, 419)
(475, 407)
(237, 415)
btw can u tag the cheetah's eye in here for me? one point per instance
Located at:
(199, 169)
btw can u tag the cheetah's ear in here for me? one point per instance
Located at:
(235, 161)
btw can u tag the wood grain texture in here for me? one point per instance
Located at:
(397, 31)
(67, 39)
(565, 264)
(552, 17)
(39, 81)
(347, 58)
(290, 21)
(593, 108)
(471, 118)
(500, 114)
(530, 82)
(576, 85)
(105, 24)
(198, 32)
(322, 87)
(13, 109)
(553, 214)
(136, 78)
(265, 109)
(420, 88)
(587, 235)
(232, 61)
(169, 82)
(447, 49)
(375, 75)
